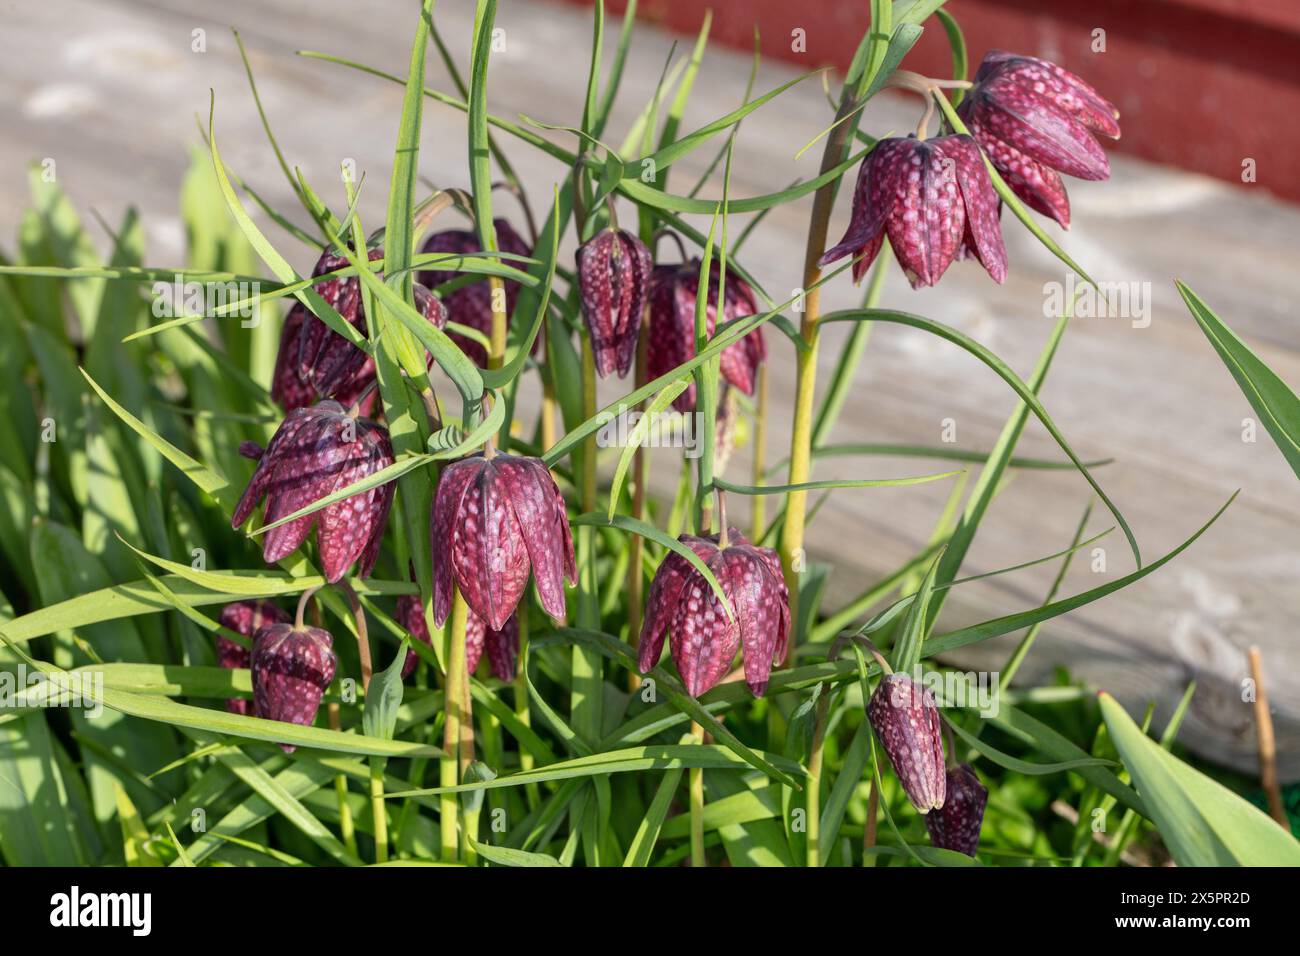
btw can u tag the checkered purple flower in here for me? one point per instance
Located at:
(614, 280)
(906, 722)
(292, 667)
(495, 520)
(1036, 121)
(246, 618)
(315, 452)
(703, 641)
(933, 199)
(673, 291)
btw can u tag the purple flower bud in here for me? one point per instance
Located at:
(493, 520)
(906, 722)
(314, 361)
(703, 641)
(472, 304)
(614, 279)
(956, 825)
(247, 618)
(315, 452)
(410, 614)
(673, 290)
(1035, 120)
(502, 646)
(291, 669)
(932, 198)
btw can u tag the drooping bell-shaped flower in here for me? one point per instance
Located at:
(472, 304)
(906, 722)
(614, 281)
(495, 519)
(673, 290)
(956, 825)
(315, 452)
(292, 667)
(502, 646)
(1035, 121)
(932, 198)
(316, 362)
(246, 618)
(701, 636)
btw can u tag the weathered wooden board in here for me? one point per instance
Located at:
(110, 90)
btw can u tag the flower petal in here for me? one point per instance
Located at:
(661, 607)
(533, 496)
(702, 638)
(1040, 130)
(452, 485)
(926, 227)
(982, 226)
(488, 554)
(880, 186)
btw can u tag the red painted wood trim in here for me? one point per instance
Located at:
(1200, 84)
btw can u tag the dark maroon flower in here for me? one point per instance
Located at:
(494, 519)
(247, 618)
(673, 291)
(1036, 120)
(410, 614)
(702, 639)
(956, 825)
(906, 722)
(314, 361)
(614, 280)
(932, 198)
(502, 646)
(472, 304)
(291, 667)
(315, 452)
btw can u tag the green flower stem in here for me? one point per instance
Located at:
(806, 360)
(452, 765)
(640, 475)
(696, 789)
(869, 829)
(587, 694)
(812, 789)
(526, 761)
(378, 810)
(347, 828)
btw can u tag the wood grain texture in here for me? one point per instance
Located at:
(110, 90)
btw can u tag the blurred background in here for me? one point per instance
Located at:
(108, 94)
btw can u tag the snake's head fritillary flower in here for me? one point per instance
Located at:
(291, 667)
(315, 452)
(246, 618)
(673, 290)
(314, 361)
(932, 198)
(410, 614)
(956, 825)
(1036, 120)
(906, 722)
(502, 646)
(493, 520)
(471, 304)
(614, 280)
(701, 635)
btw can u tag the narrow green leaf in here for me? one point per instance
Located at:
(1273, 400)
(1202, 822)
(1007, 375)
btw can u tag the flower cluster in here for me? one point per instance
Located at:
(498, 519)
